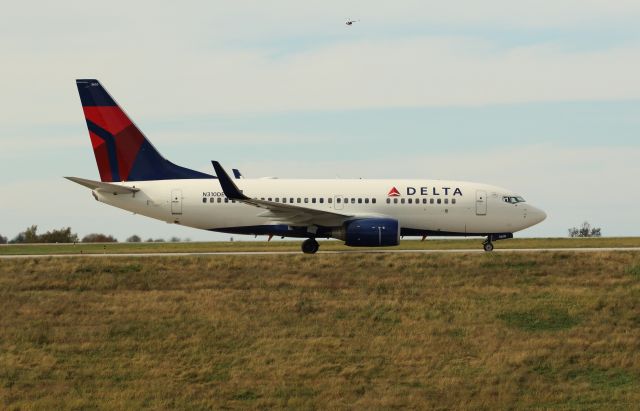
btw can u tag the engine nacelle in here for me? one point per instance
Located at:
(371, 232)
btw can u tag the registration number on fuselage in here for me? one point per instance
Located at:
(212, 194)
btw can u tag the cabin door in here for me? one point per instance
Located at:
(481, 202)
(176, 202)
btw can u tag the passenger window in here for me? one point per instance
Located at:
(226, 200)
(439, 201)
(359, 201)
(204, 200)
(373, 200)
(402, 200)
(284, 200)
(291, 200)
(321, 200)
(395, 201)
(329, 200)
(270, 199)
(211, 199)
(353, 200)
(313, 200)
(219, 200)
(366, 201)
(446, 201)
(298, 200)
(453, 201)
(338, 200)
(277, 199)
(233, 201)
(306, 200)
(431, 201)
(409, 200)
(388, 201)
(424, 201)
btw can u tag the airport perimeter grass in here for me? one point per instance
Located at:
(198, 247)
(554, 330)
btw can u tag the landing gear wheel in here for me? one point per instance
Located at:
(488, 246)
(310, 246)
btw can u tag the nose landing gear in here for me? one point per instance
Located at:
(310, 246)
(488, 243)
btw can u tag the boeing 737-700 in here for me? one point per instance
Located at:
(360, 212)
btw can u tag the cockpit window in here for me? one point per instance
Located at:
(513, 199)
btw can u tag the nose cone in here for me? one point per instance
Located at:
(536, 215)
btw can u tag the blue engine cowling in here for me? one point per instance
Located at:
(372, 232)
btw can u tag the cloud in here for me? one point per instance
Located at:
(414, 72)
(191, 58)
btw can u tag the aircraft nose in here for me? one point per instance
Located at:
(537, 215)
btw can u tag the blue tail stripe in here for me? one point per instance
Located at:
(111, 148)
(150, 165)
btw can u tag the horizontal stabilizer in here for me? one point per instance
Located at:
(102, 186)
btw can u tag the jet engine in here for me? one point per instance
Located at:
(369, 232)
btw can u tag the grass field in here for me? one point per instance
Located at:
(554, 330)
(447, 244)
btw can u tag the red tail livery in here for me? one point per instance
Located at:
(122, 152)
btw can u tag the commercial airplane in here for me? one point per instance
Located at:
(362, 213)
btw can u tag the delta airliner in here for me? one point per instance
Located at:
(362, 213)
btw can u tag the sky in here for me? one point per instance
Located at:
(541, 97)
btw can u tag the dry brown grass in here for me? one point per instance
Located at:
(331, 245)
(540, 330)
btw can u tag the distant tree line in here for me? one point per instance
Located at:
(585, 230)
(99, 238)
(64, 235)
(30, 235)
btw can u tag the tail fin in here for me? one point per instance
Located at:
(122, 152)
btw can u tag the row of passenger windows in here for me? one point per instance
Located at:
(339, 200)
(424, 201)
(320, 200)
(300, 200)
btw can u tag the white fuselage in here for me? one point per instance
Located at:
(436, 206)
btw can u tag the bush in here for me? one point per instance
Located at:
(3, 239)
(64, 235)
(134, 239)
(99, 238)
(30, 235)
(175, 239)
(585, 230)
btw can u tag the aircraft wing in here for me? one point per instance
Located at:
(101, 186)
(290, 214)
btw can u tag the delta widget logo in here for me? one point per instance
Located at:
(393, 192)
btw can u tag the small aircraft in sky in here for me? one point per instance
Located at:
(350, 22)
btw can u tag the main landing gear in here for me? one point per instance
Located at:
(310, 246)
(487, 245)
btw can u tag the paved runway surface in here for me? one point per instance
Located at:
(473, 251)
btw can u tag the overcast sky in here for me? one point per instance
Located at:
(542, 97)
